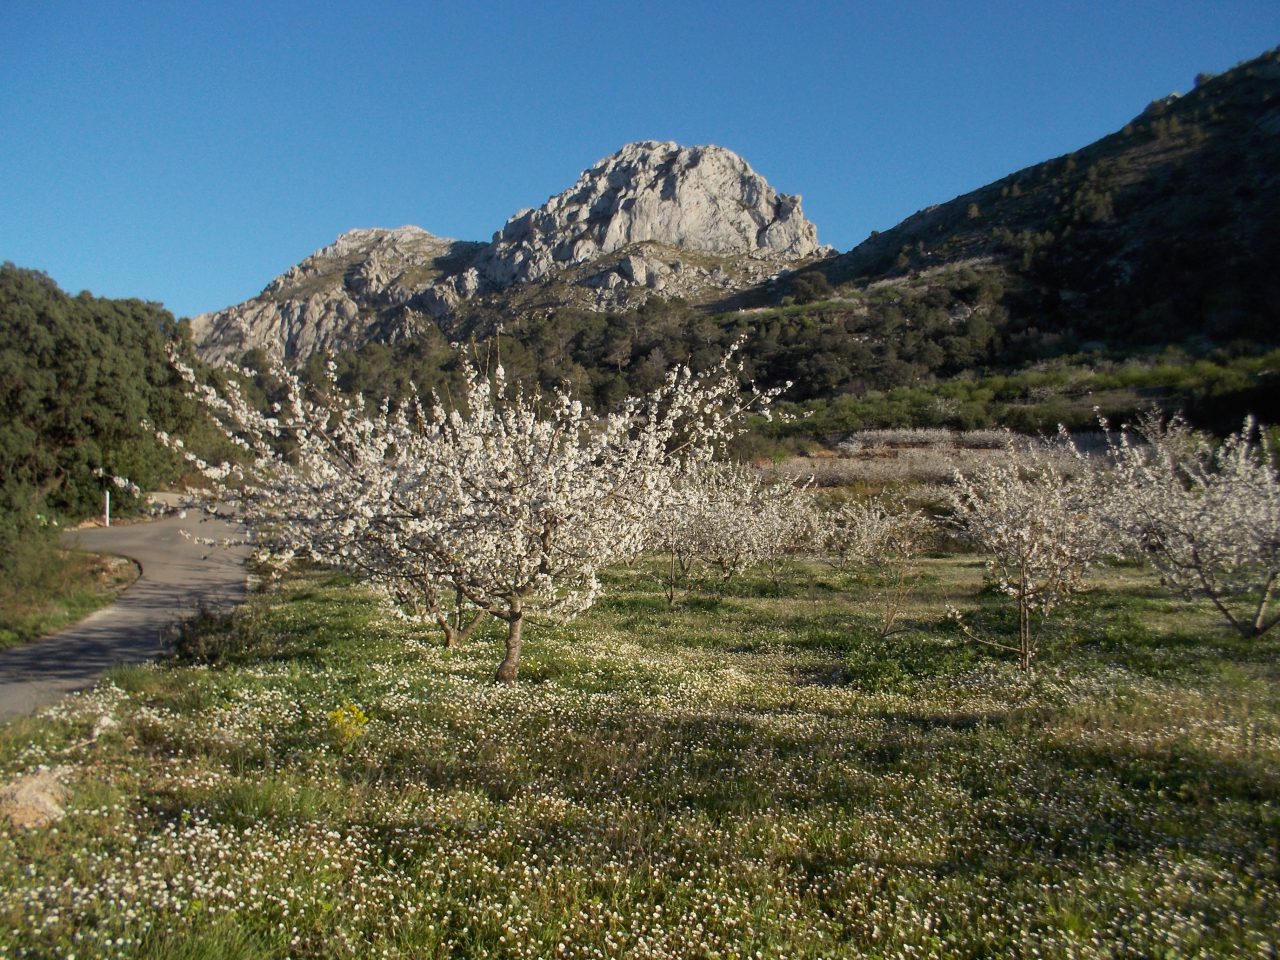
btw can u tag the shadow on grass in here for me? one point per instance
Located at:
(1118, 634)
(303, 628)
(244, 638)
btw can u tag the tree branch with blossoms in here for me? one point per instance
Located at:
(510, 499)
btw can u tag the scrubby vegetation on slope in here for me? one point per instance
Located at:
(1162, 231)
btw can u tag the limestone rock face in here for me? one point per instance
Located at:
(653, 219)
(705, 199)
(368, 284)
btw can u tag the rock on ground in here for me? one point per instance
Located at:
(34, 800)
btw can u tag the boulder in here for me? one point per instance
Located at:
(35, 800)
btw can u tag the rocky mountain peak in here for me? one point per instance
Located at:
(654, 218)
(705, 199)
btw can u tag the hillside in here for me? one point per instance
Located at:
(366, 286)
(1137, 270)
(1166, 230)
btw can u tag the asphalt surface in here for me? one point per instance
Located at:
(179, 577)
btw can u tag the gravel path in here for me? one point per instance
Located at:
(178, 577)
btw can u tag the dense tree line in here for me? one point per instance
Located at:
(78, 376)
(946, 353)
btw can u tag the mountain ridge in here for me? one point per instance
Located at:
(1163, 232)
(1165, 225)
(619, 234)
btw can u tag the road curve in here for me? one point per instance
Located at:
(178, 578)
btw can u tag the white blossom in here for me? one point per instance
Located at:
(507, 503)
(724, 516)
(1206, 516)
(1038, 515)
(874, 531)
(883, 534)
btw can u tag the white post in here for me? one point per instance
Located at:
(106, 507)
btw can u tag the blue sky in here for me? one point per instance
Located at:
(189, 152)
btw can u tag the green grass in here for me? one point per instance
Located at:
(754, 772)
(56, 588)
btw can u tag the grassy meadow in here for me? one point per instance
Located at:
(754, 773)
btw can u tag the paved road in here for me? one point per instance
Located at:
(178, 577)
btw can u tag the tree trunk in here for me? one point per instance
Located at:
(1260, 625)
(1024, 642)
(1024, 622)
(457, 633)
(511, 663)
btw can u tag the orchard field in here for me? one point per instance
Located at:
(701, 742)
(754, 772)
